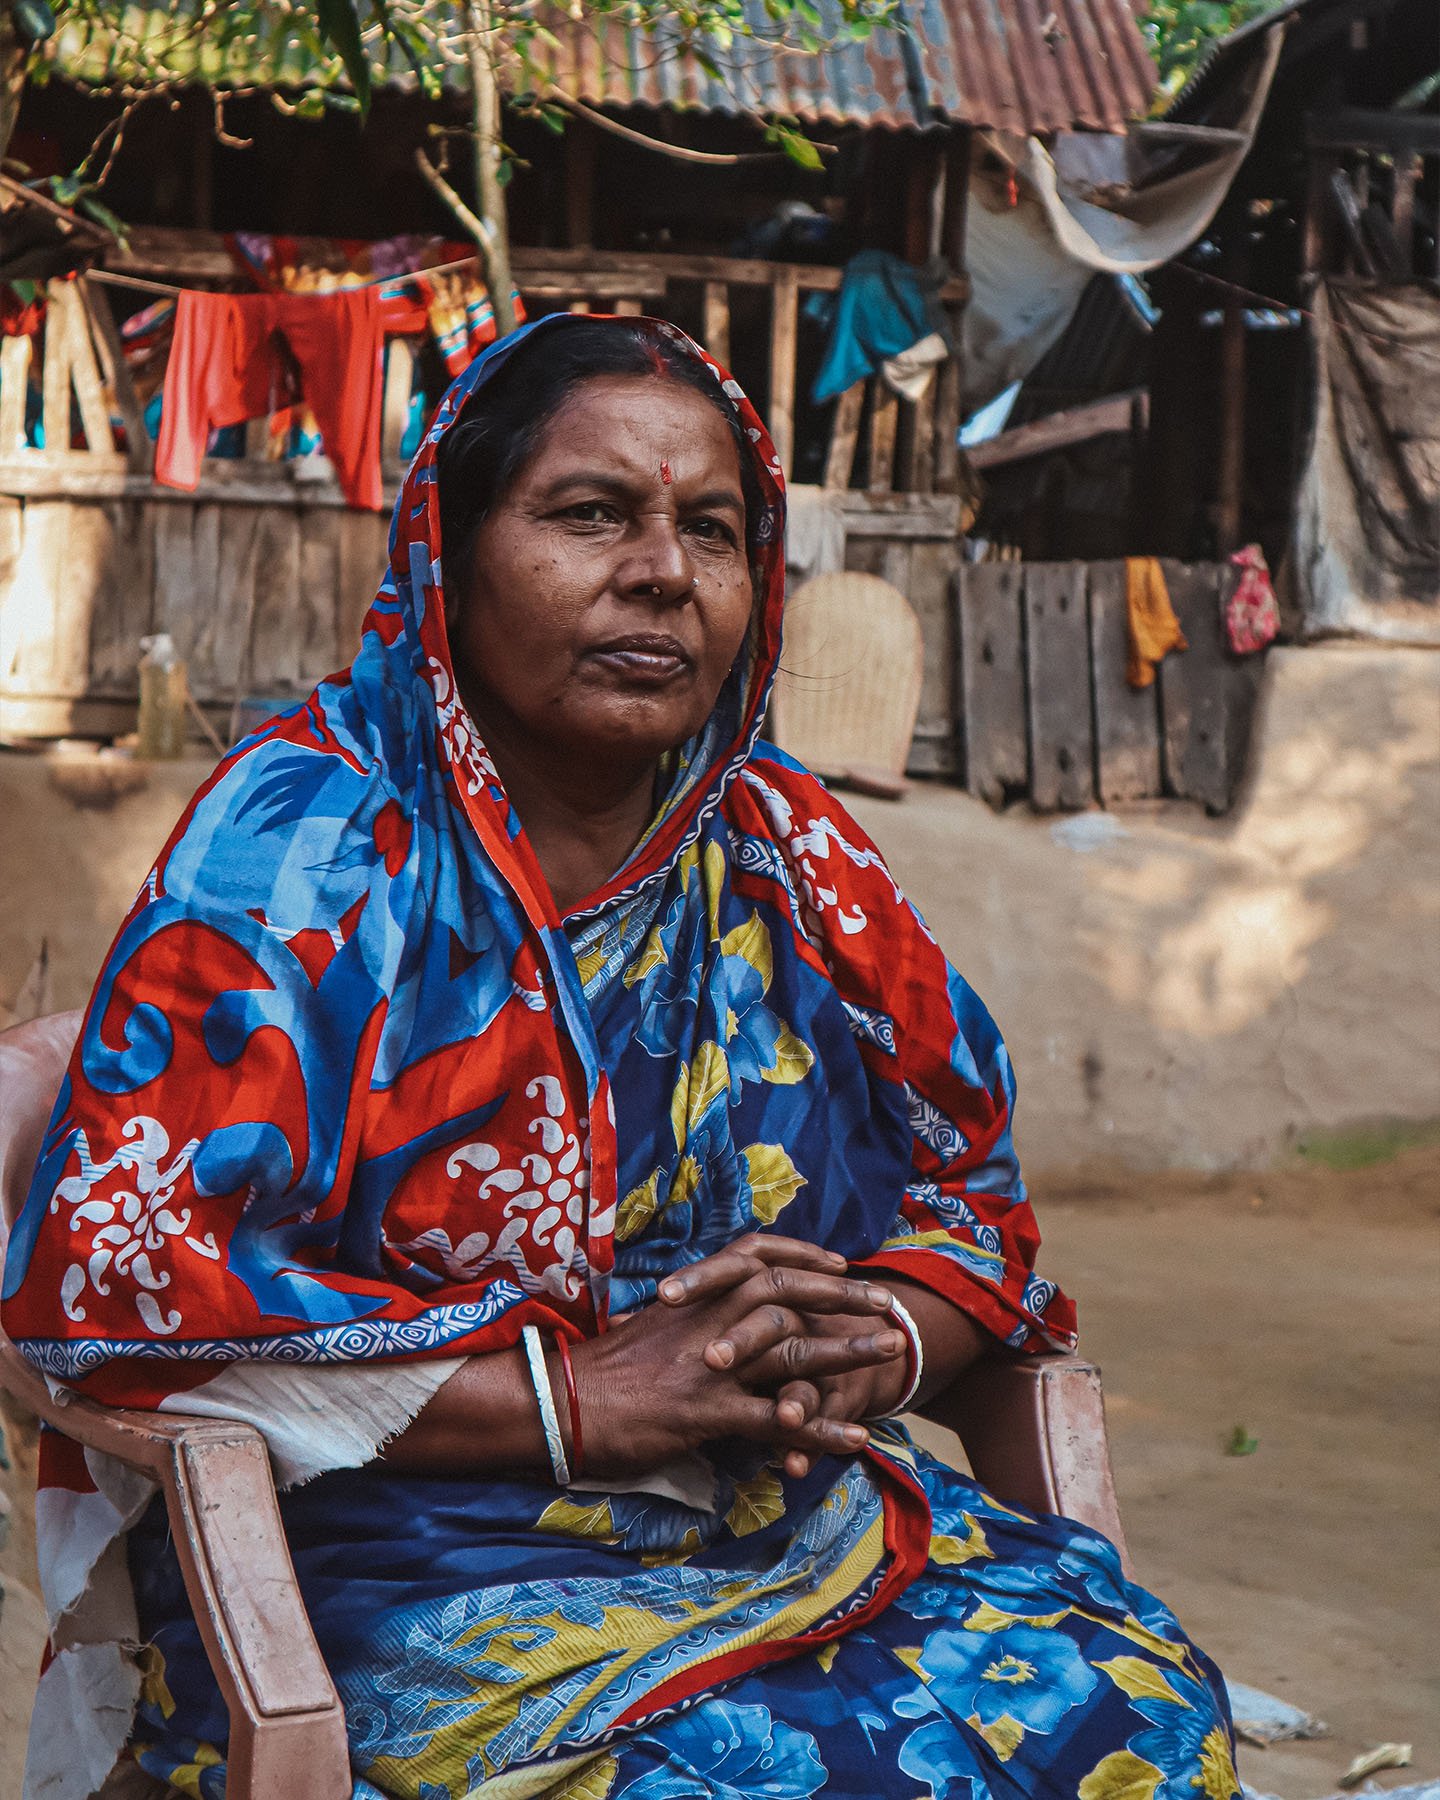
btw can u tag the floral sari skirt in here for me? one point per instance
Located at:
(1021, 1663)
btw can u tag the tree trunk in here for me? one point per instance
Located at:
(13, 56)
(494, 244)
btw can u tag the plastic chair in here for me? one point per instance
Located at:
(1033, 1431)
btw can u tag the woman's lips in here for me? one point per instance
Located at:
(649, 660)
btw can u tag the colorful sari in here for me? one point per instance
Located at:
(351, 1101)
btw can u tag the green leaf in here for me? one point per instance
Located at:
(1241, 1443)
(340, 25)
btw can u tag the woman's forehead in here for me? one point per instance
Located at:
(651, 427)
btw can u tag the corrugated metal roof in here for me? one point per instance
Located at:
(1036, 66)
(1015, 65)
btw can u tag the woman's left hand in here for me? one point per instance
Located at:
(804, 1370)
(853, 1395)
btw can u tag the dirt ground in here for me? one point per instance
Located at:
(1303, 1305)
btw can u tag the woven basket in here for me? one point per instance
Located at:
(848, 691)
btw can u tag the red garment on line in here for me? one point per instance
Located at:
(223, 369)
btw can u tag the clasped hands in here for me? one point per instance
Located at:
(769, 1340)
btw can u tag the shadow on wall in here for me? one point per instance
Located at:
(1185, 991)
(1340, 774)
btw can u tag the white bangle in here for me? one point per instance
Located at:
(917, 1357)
(545, 1399)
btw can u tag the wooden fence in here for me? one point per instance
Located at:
(1024, 690)
(1044, 708)
(260, 599)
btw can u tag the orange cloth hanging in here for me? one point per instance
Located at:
(223, 370)
(1154, 629)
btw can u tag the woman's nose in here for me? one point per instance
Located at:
(661, 568)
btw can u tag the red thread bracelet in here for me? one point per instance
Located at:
(572, 1395)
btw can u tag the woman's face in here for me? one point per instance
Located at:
(608, 591)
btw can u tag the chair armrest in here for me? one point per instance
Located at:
(284, 1712)
(1033, 1429)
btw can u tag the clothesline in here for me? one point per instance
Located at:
(1236, 291)
(112, 278)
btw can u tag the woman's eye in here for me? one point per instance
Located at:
(714, 531)
(590, 512)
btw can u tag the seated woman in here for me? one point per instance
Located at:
(530, 1101)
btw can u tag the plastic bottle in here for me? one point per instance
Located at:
(161, 729)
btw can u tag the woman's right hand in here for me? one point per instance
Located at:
(657, 1384)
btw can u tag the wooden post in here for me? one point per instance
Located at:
(84, 370)
(784, 300)
(950, 401)
(139, 451)
(884, 421)
(717, 322)
(579, 184)
(1230, 496)
(395, 406)
(55, 376)
(844, 435)
(14, 384)
(1402, 207)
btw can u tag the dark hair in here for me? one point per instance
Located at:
(503, 423)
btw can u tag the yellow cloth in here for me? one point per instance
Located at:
(1154, 629)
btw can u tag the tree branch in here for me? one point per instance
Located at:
(714, 159)
(472, 221)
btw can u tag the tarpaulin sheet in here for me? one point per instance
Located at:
(1367, 531)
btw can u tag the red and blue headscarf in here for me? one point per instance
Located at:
(350, 1089)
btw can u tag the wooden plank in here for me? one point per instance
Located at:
(219, 669)
(901, 515)
(1057, 686)
(32, 623)
(14, 385)
(844, 436)
(991, 682)
(866, 555)
(318, 617)
(275, 635)
(1193, 690)
(363, 560)
(784, 302)
(884, 422)
(717, 322)
(950, 397)
(917, 456)
(192, 256)
(87, 572)
(48, 716)
(1127, 719)
(1402, 206)
(85, 374)
(932, 567)
(395, 407)
(175, 599)
(123, 611)
(139, 451)
(948, 403)
(1075, 426)
(55, 372)
(12, 528)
